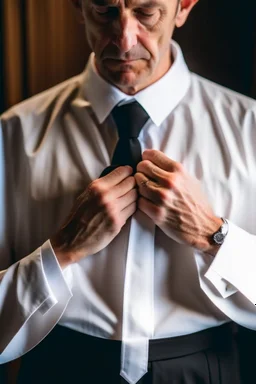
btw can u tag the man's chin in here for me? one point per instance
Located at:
(126, 80)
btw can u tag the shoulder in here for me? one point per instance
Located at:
(29, 122)
(58, 97)
(222, 106)
(220, 96)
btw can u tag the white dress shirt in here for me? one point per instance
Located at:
(54, 144)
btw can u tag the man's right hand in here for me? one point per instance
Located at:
(97, 216)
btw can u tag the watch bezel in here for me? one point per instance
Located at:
(219, 236)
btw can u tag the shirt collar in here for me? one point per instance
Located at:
(159, 99)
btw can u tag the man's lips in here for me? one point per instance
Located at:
(120, 64)
(127, 61)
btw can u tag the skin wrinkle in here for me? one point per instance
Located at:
(127, 3)
(128, 36)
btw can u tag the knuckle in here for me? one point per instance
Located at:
(96, 187)
(147, 163)
(163, 195)
(131, 182)
(100, 195)
(144, 164)
(173, 181)
(169, 183)
(155, 154)
(139, 164)
(137, 177)
(179, 167)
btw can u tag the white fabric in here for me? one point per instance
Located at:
(54, 144)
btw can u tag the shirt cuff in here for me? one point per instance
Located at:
(234, 266)
(59, 282)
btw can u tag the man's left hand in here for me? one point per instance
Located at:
(175, 202)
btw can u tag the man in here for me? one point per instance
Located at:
(143, 273)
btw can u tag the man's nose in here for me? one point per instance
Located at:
(126, 33)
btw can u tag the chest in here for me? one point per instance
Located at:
(75, 153)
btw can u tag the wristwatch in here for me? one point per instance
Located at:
(219, 236)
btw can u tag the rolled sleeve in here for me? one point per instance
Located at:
(234, 266)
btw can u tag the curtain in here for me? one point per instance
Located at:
(42, 44)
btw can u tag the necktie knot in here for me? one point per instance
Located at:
(130, 119)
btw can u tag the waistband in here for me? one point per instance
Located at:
(217, 338)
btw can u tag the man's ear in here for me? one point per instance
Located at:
(77, 3)
(184, 10)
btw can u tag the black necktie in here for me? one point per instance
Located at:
(129, 119)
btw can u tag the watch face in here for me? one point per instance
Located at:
(218, 238)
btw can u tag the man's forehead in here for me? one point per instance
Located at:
(131, 3)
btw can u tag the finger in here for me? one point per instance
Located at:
(143, 182)
(126, 200)
(154, 173)
(117, 176)
(128, 212)
(161, 160)
(153, 211)
(122, 188)
(150, 190)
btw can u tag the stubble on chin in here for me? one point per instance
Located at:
(129, 80)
